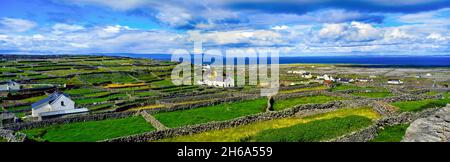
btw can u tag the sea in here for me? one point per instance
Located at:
(378, 60)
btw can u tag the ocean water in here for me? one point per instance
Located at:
(443, 61)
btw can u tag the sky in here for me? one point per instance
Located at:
(301, 27)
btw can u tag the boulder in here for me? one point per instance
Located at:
(435, 128)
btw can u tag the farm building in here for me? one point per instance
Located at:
(345, 80)
(325, 77)
(218, 82)
(56, 104)
(394, 81)
(307, 75)
(9, 86)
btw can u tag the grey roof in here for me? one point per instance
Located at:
(64, 112)
(48, 100)
(344, 79)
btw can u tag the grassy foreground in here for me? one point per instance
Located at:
(421, 105)
(373, 94)
(219, 112)
(91, 131)
(246, 132)
(288, 103)
(391, 134)
(314, 131)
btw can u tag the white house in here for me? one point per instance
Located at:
(345, 80)
(9, 86)
(394, 81)
(307, 75)
(325, 77)
(211, 79)
(54, 105)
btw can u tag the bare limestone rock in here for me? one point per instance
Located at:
(435, 128)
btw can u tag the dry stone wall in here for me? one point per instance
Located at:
(193, 129)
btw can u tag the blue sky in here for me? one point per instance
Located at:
(301, 27)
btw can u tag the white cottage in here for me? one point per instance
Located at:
(54, 105)
(394, 81)
(9, 86)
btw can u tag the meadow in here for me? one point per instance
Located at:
(219, 112)
(420, 105)
(291, 102)
(373, 94)
(313, 131)
(90, 131)
(247, 132)
(391, 133)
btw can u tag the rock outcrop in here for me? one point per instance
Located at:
(435, 128)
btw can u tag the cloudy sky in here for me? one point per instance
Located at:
(301, 27)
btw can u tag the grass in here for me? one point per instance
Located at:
(162, 83)
(344, 87)
(146, 94)
(3, 140)
(314, 131)
(373, 94)
(106, 77)
(91, 131)
(97, 100)
(305, 89)
(19, 108)
(243, 132)
(102, 106)
(53, 81)
(81, 91)
(34, 99)
(391, 134)
(219, 112)
(288, 103)
(124, 85)
(416, 106)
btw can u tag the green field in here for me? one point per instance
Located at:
(246, 132)
(107, 77)
(373, 94)
(91, 131)
(2, 140)
(81, 91)
(344, 87)
(421, 105)
(391, 133)
(101, 99)
(219, 112)
(288, 103)
(314, 131)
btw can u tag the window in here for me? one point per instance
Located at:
(62, 103)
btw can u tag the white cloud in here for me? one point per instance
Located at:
(173, 16)
(64, 28)
(282, 27)
(252, 37)
(353, 32)
(115, 4)
(16, 25)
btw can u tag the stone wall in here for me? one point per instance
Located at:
(193, 129)
(10, 136)
(371, 132)
(67, 120)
